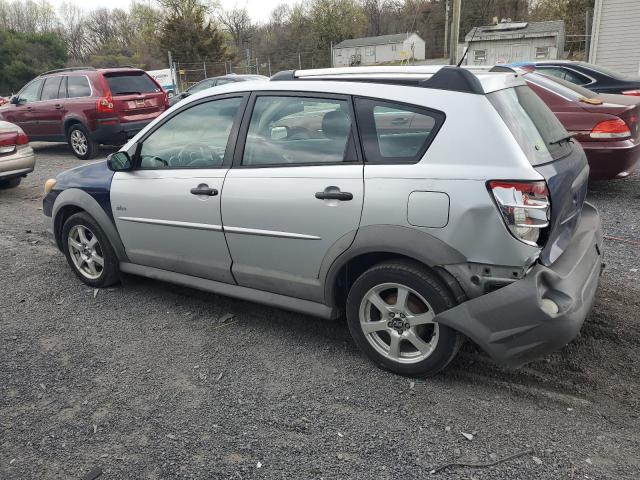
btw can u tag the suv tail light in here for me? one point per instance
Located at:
(611, 129)
(525, 208)
(635, 93)
(104, 104)
(9, 141)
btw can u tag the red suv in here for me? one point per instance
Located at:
(86, 107)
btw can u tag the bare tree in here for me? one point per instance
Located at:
(238, 23)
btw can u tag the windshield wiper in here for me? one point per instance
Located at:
(128, 93)
(566, 138)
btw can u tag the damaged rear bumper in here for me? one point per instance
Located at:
(517, 323)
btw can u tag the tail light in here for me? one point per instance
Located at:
(635, 93)
(525, 208)
(9, 141)
(104, 104)
(611, 129)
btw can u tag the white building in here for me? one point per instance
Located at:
(615, 38)
(376, 50)
(508, 42)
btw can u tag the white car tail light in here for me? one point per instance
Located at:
(634, 93)
(525, 208)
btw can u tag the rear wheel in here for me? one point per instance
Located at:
(390, 312)
(81, 143)
(10, 183)
(88, 251)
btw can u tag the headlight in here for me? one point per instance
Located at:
(48, 185)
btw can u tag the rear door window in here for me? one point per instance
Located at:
(536, 129)
(130, 83)
(395, 133)
(78, 87)
(290, 131)
(51, 88)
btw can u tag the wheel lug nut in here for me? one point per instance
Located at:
(389, 324)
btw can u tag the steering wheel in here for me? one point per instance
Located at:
(198, 153)
(155, 158)
(266, 150)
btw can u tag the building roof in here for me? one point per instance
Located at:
(380, 40)
(507, 30)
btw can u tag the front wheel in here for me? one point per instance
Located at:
(390, 312)
(81, 143)
(88, 251)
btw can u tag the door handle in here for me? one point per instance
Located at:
(203, 189)
(343, 196)
(59, 107)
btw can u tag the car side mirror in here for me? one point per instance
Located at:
(15, 100)
(119, 162)
(184, 94)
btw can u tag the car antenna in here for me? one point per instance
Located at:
(464, 55)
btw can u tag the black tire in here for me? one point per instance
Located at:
(10, 183)
(110, 272)
(425, 283)
(81, 143)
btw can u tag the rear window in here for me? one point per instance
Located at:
(130, 83)
(560, 86)
(533, 125)
(608, 72)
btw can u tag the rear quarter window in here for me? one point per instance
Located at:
(536, 129)
(78, 87)
(395, 133)
(130, 83)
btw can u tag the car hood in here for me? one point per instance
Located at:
(92, 177)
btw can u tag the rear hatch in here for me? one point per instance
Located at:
(557, 157)
(136, 96)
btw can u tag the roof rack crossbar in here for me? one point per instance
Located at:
(68, 69)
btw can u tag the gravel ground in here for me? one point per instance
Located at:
(150, 380)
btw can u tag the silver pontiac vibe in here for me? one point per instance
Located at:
(425, 205)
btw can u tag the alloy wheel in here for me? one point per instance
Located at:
(85, 251)
(79, 142)
(398, 323)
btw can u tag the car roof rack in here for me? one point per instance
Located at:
(437, 77)
(68, 69)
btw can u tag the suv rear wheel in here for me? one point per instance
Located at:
(88, 251)
(390, 311)
(81, 143)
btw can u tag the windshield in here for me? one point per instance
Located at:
(130, 83)
(533, 125)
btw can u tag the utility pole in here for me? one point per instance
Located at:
(257, 71)
(455, 32)
(204, 67)
(331, 51)
(446, 29)
(269, 64)
(299, 62)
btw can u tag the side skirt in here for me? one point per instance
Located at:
(259, 296)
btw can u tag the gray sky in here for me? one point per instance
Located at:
(258, 9)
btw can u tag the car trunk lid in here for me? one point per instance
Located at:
(625, 107)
